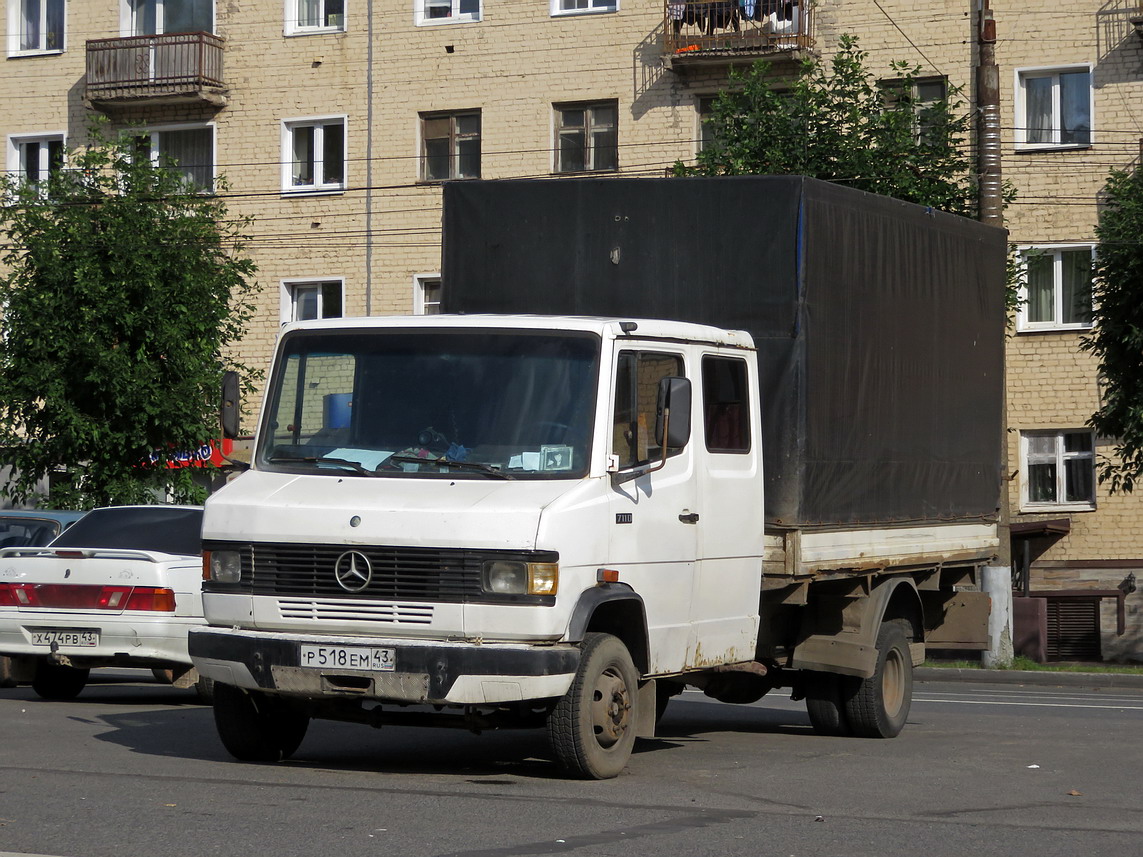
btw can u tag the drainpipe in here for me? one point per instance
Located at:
(369, 160)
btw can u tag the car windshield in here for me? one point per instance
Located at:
(164, 529)
(466, 404)
(18, 532)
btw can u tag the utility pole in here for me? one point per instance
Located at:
(996, 579)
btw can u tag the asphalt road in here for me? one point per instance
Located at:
(134, 768)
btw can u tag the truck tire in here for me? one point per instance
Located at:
(204, 687)
(55, 681)
(6, 679)
(256, 727)
(824, 704)
(879, 705)
(592, 727)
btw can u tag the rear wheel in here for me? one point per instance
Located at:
(824, 704)
(56, 681)
(6, 679)
(879, 705)
(257, 727)
(592, 727)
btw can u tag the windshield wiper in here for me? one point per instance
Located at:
(464, 465)
(323, 459)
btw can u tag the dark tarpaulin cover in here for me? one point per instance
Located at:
(879, 324)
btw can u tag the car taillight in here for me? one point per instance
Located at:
(84, 597)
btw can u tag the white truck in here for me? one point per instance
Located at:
(560, 521)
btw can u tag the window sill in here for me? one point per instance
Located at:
(15, 55)
(439, 22)
(319, 191)
(568, 13)
(1057, 507)
(1077, 328)
(1035, 148)
(606, 172)
(316, 31)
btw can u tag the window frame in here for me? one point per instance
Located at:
(710, 386)
(421, 284)
(421, 19)
(16, 154)
(293, 16)
(288, 296)
(589, 127)
(150, 131)
(454, 138)
(15, 19)
(603, 7)
(1059, 459)
(638, 353)
(1023, 325)
(289, 126)
(1022, 75)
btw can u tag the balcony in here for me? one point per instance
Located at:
(172, 68)
(717, 32)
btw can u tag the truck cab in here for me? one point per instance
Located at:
(518, 520)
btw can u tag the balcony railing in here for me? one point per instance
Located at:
(710, 29)
(167, 67)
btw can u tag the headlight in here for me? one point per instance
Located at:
(224, 566)
(515, 577)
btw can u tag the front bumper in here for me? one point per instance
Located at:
(461, 673)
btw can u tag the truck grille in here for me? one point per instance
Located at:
(405, 574)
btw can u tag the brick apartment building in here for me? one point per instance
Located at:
(335, 122)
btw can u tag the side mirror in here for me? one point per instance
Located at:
(673, 413)
(228, 412)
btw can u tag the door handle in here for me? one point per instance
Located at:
(689, 517)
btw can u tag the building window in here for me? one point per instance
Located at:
(187, 151)
(313, 155)
(705, 113)
(153, 17)
(588, 137)
(1059, 469)
(311, 16)
(450, 146)
(1053, 108)
(427, 294)
(926, 97)
(1057, 288)
(446, 11)
(33, 159)
(572, 7)
(35, 26)
(305, 300)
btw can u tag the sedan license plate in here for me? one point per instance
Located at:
(47, 636)
(348, 657)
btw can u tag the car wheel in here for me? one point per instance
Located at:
(56, 681)
(255, 726)
(592, 727)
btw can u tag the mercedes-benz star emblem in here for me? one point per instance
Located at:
(353, 571)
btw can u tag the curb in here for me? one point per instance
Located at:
(1049, 678)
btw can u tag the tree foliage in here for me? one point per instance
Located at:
(836, 122)
(1117, 336)
(125, 287)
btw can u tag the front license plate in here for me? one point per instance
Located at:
(348, 657)
(47, 636)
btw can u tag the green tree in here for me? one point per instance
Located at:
(836, 122)
(124, 289)
(1117, 335)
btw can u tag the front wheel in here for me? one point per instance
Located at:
(56, 681)
(592, 727)
(257, 727)
(879, 705)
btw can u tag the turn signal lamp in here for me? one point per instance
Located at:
(516, 577)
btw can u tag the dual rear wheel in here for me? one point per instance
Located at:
(874, 707)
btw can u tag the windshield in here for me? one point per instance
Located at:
(466, 404)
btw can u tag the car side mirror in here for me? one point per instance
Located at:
(673, 413)
(228, 411)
